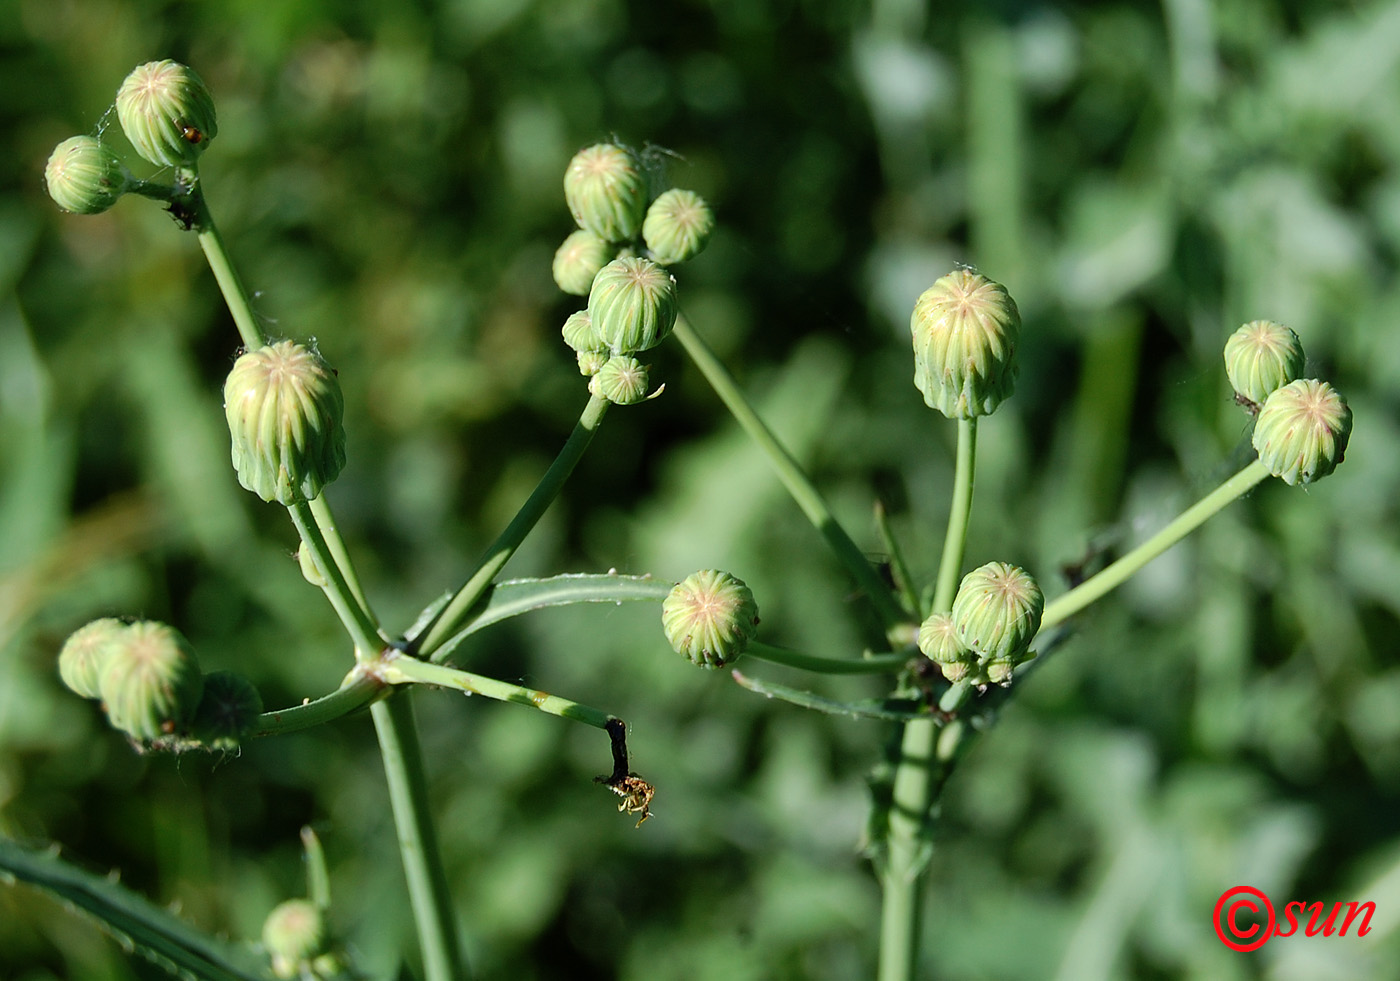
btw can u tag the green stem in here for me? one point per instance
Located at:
(359, 690)
(318, 879)
(794, 478)
(456, 612)
(357, 620)
(325, 520)
(869, 664)
(919, 775)
(235, 296)
(899, 569)
(422, 863)
(1119, 572)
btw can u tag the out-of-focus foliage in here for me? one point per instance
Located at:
(1143, 178)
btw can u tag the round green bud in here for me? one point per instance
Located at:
(228, 710)
(284, 409)
(677, 226)
(1260, 357)
(965, 329)
(84, 176)
(591, 362)
(151, 683)
(167, 113)
(632, 305)
(939, 641)
(84, 655)
(579, 333)
(578, 260)
(621, 380)
(1302, 431)
(996, 612)
(710, 617)
(606, 192)
(293, 933)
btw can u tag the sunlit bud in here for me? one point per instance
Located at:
(84, 176)
(677, 226)
(606, 192)
(710, 617)
(151, 682)
(85, 653)
(579, 333)
(1302, 431)
(167, 113)
(621, 380)
(1260, 357)
(578, 260)
(997, 611)
(965, 329)
(632, 305)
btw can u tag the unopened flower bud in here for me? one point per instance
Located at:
(677, 226)
(622, 380)
(84, 655)
(632, 305)
(284, 409)
(578, 260)
(151, 682)
(1302, 431)
(606, 192)
(167, 113)
(710, 617)
(591, 362)
(310, 571)
(965, 330)
(228, 710)
(997, 611)
(1260, 357)
(293, 933)
(940, 643)
(84, 176)
(579, 333)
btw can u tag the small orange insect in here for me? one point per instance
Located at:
(192, 135)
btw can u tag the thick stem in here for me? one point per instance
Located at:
(455, 613)
(918, 777)
(793, 477)
(422, 863)
(359, 690)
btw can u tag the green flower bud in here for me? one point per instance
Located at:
(1302, 431)
(85, 654)
(965, 330)
(284, 408)
(622, 380)
(167, 113)
(84, 176)
(677, 226)
(591, 362)
(293, 933)
(606, 192)
(940, 643)
(632, 305)
(579, 333)
(151, 683)
(710, 617)
(997, 611)
(310, 571)
(578, 260)
(1260, 357)
(228, 710)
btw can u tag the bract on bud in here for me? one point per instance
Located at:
(677, 226)
(167, 113)
(939, 641)
(293, 933)
(591, 362)
(606, 191)
(84, 655)
(997, 611)
(579, 333)
(965, 329)
(578, 260)
(710, 617)
(228, 710)
(284, 411)
(632, 305)
(84, 176)
(1260, 357)
(151, 682)
(1302, 431)
(621, 380)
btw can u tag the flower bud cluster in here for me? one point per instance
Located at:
(152, 689)
(995, 616)
(1302, 425)
(167, 113)
(619, 259)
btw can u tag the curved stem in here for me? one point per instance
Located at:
(359, 690)
(794, 478)
(235, 296)
(325, 520)
(869, 664)
(1119, 572)
(919, 775)
(456, 612)
(356, 619)
(428, 891)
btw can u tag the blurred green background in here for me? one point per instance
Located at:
(1143, 178)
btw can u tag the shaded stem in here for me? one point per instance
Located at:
(1119, 572)
(793, 477)
(359, 690)
(418, 847)
(357, 620)
(235, 295)
(919, 775)
(869, 664)
(899, 569)
(325, 520)
(456, 612)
